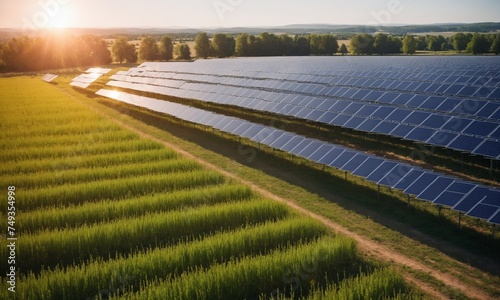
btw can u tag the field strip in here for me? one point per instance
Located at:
(366, 245)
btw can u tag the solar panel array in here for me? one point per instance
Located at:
(49, 77)
(470, 198)
(84, 80)
(451, 102)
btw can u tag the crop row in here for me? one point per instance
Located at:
(284, 270)
(84, 148)
(109, 210)
(112, 135)
(68, 246)
(81, 175)
(72, 194)
(86, 161)
(87, 280)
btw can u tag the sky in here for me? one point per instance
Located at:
(236, 13)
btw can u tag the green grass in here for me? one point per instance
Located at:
(100, 210)
(417, 232)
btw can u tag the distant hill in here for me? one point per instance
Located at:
(7, 33)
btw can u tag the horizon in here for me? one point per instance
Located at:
(193, 14)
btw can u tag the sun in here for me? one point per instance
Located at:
(63, 19)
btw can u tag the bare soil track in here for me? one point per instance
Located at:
(366, 245)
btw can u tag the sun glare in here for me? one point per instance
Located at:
(62, 20)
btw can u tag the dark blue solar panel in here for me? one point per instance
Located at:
(481, 128)
(353, 108)
(241, 129)
(417, 117)
(301, 146)
(436, 121)
(292, 143)
(370, 165)
(423, 87)
(385, 127)
(310, 149)
(328, 117)
(383, 112)
(421, 184)
(368, 125)
(343, 159)
(381, 171)
(483, 92)
(399, 115)
(303, 113)
(332, 156)
(272, 136)
(470, 107)
(315, 115)
(449, 104)
(252, 131)
(495, 94)
(492, 198)
(282, 140)
(468, 91)
(454, 193)
(457, 124)
(355, 162)
(465, 143)
(322, 151)
(417, 101)
(454, 89)
(408, 179)
(388, 97)
(489, 148)
(354, 122)
(432, 102)
(488, 110)
(483, 211)
(231, 126)
(431, 192)
(421, 134)
(373, 96)
(402, 130)
(442, 138)
(402, 99)
(367, 110)
(470, 200)
(340, 120)
(340, 106)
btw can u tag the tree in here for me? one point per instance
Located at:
(434, 43)
(202, 45)
(242, 47)
(495, 46)
(343, 49)
(148, 50)
(409, 44)
(123, 51)
(302, 46)
(460, 41)
(223, 45)
(182, 51)
(96, 51)
(166, 48)
(362, 44)
(381, 43)
(479, 44)
(286, 44)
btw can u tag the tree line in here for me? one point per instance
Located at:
(55, 51)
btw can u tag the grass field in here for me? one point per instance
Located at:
(101, 212)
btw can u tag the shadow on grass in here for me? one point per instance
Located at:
(466, 245)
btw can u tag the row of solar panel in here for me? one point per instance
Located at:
(466, 135)
(443, 76)
(86, 79)
(471, 108)
(469, 198)
(331, 86)
(49, 77)
(380, 67)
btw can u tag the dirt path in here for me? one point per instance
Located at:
(366, 245)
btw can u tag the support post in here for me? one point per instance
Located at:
(345, 175)
(408, 198)
(459, 220)
(439, 210)
(491, 168)
(378, 192)
(493, 231)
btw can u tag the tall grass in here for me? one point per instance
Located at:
(250, 277)
(63, 247)
(109, 210)
(82, 175)
(87, 280)
(86, 161)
